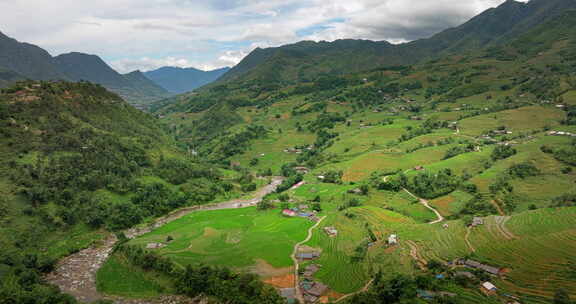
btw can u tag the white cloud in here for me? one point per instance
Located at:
(143, 34)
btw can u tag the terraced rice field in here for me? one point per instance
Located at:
(521, 119)
(338, 270)
(538, 259)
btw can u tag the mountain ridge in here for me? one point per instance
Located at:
(492, 27)
(20, 60)
(181, 80)
(28, 60)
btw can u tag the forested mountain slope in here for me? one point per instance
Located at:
(28, 60)
(306, 61)
(134, 86)
(78, 161)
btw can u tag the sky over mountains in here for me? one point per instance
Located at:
(148, 34)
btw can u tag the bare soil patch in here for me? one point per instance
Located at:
(264, 269)
(285, 281)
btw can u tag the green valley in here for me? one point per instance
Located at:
(441, 170)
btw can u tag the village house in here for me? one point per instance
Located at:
(419, 168)
(393, 239)
(310, 298)
(487, 268)
(317, 290)
(289, 294)
(331, 231)
(289, 213)
(488, 288)
(307, 255)
(310, 270)
(301, 170)
(314, 218)
(477, 221)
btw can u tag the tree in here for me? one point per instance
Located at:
(561, 296)
(264, 205)
(502, 152)
(316, 207)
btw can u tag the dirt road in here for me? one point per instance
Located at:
(299, 295)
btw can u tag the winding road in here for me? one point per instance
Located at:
(76, 274)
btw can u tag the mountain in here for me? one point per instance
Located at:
(28, 60)
(134, 87)
(8, 77)
(180, 80)
(486, 133)
(146, 87)
(307, 60)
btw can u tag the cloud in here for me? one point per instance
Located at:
(143, 34)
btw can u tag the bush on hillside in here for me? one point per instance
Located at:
(502, 152)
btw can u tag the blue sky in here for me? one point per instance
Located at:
(208, 34)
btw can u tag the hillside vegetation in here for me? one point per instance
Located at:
(79, 161)
(488, 133)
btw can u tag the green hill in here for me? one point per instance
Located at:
(79, 161)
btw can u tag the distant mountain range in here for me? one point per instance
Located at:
(305, 61)
(182, 80)
(26, 61)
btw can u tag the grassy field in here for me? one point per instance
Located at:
(244, 239)
(119, 278)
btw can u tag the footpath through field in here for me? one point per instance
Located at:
(422, 201)
(427, 205)
(76, 274)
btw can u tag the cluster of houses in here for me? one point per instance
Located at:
(488, 288)
(311, 289)
(298, 150)
(301, 211)
(501, 132)
(561, 133)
